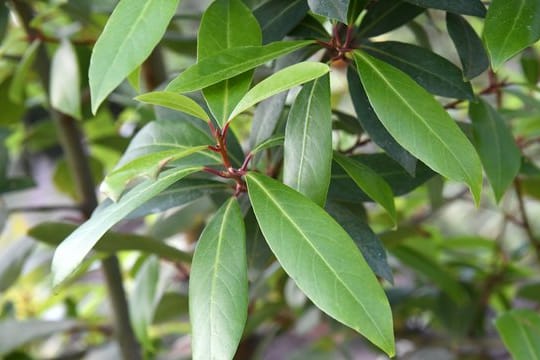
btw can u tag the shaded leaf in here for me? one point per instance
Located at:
(369, 244)
(174, 101)
(276, 140)
(342, 187)
(419, 123)
(29, 330)
(432, 270)
(520, 332)
(436, 74)
(278, 17)
(530, 65)
(64, 89)
(229, 63)
(310, 28)
(73, 249)
(131, 33)
(370, 182)
(53, 233)
(373, 126)
(510, 26)
(224, 25)
(496, 146)
(332, 9)
(258, 253)
(385, 15)
(308, 141)
(469, 46)
(282, 80)
(218, 285)
(465, 7)
(13, 259)
(145, 166)
(322, 259)
(355, 9)
(18, 82)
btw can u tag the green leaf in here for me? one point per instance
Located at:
(520, 332)
(322, 259)
(174, 101)
(131, 33)
(332, 9)
(218, 285)
(14, 257)
(436, 74)
(279, 17)
(284, 79)
(510, 26)
(432, 270)
(370, 182)
(369, 244)
(343, 188)
(373, 126)
(229, 63)
(308, 141)
(419, 123)
(18, 83)
(4, 20)
(144, 300)
(355, 9)
(530, 66)
(469, 46)
(386, 15)
(52, 233)
(226, 24)
(465, 7)
(276, 140)
(146, 166)
(64, 89)
(28, 331)
(496, 146)
(70, 253)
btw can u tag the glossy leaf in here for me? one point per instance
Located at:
(322, 259)
(386, 15)
(29, 330)
(373, 126)
(496, 146)
(436, 74)
(278, 17)
(224, 25)
(218, 285)
(469, 46)
(131, 33)
(308, 141)
(64, 89)
(284, 79)
(52, 233)
(70, 253)
(370, 182)
(520, 332)
(332, 9)
(419, 123)
(465, 7)
(510, 26)
(369, 244)
(229, 63)
(174, 101)
(146, 166)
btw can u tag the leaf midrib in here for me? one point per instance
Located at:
(299, 230)
(435, 134)
(507, 35)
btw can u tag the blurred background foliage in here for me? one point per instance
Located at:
(456, 268)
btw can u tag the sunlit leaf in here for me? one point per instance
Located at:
(131, 33)
(322, 259)
(520, 332)
(65, 90)
(419, 123)
(218, 285)
(174, 101)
